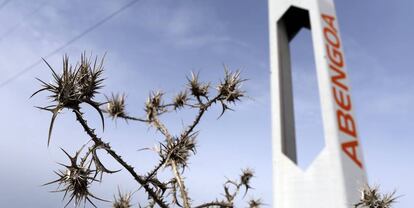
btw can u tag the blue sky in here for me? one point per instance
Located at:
(154, 45)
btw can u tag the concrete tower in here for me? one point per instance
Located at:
(334, 178)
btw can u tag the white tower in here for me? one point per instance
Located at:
(334, 178)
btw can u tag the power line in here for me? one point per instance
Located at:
(15, 27)
(77, 37)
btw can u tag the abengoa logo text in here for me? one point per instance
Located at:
(340, 90)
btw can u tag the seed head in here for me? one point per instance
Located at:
(179, 150)
(75, 180)
(115, 106)
(245, 177)
(372, 198)
(229, 88)
(180, 100)
(255, 203)
(122, 201)
(63, 89)
(89, 77)
(153, 106)
(197, 88)
(73, 87)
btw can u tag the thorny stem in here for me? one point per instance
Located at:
(158, 124)
(85, 158)
(133, 118)
(98, 141)
(232, 196)
(161, 127)
(126, 117)
(169, 138)
(180, 182)
(155, 170)
(219, 204)
(202, 109)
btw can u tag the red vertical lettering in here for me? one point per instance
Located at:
(340, 100)
(331, 37)
(335, 56)
(340, 75)
(329, 20)
(345, 120)
(346, 123)
(350, 149)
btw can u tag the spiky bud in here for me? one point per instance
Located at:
(89, 79)
(115, 106)
(153, 106)
(229, 88)
(180, 100)
(245, 177)
(255, 203)
(122, 201)
(197, 88)
(372, 198)
(73, 87)
(75, 180)
(179, 150)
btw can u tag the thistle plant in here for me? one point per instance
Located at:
(80, 84)
(255, 203)
(371, 197)
(122, 201)
(75, 180)
(116, 106)
(74, 86)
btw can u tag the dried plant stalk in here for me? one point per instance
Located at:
(371, 197)
(81, 83)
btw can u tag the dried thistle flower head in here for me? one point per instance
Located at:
(229, 88)
(153, 106)
(122, 201)
(115, 106)
(197, 88)
(75, 180)
(64, 87)
(72, 87)
(179, 150)
(180, 100)
(245, 177)
(89, 77)
(255, 203)
(372, 198)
